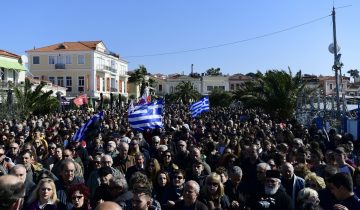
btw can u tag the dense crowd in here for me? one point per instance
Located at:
(229, 158)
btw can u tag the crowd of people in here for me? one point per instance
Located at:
(228, 159)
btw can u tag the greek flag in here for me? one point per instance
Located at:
(80, 133)
(199, 107)
(146, 116)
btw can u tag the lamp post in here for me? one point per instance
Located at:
(334, 49)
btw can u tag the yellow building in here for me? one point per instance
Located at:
(82, 67)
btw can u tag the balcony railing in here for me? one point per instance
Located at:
(9, 84)
(107, 68)
(59, 66)
(113, 90)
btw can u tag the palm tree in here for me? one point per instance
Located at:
(354, 73)
(34, 101)
(276, 93)
(186, 92)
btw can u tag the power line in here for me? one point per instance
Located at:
(229, 43)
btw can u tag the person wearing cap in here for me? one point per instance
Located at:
(340, 158)
(102, 193)
(111, 149)
(272, 197)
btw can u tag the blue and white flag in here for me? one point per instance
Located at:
(80, 133)
(200, 106)
(147, 116)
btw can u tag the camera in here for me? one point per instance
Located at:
(7, 159)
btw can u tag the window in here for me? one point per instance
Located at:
(68, 59)
(103, 84)
(108, 84)
(97, 83)
(171, 89)
(331, 86)
(232, 87)
(36, 60)
(160, 87)
(209, 88)
(52, 80)
(81, 59)
(221, 87)
(81, 83)
(68, 84)
(2, 73)
(51, 59)
(60, 81)
(37, 78)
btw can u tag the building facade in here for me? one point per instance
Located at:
(236, 80)
(84, 67)
(12, 72)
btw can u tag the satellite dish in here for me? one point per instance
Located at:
(332, 49)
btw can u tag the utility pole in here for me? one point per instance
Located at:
(337, 65)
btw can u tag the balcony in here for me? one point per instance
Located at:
(106, 68)
(114, 90)
(60, 66)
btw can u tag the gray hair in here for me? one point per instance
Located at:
(236, 170)
(263, 165)
(107, 157)
(120, 181)
(194, 184)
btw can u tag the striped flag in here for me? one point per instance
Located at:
(199, 107)
(80, 133)
(147, 116)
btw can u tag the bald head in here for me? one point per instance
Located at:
(12, 191)
(108, 205)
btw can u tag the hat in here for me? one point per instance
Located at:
(103, 171)
(273, 174)
(340, 150)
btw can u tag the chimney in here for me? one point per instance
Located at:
(192, 69)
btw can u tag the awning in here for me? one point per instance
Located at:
(11, 65)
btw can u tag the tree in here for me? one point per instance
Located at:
(276, 93)
(219, 97)
(36, 102)
(354, 73)
(138, 76)
(186, 92)
(213, 72)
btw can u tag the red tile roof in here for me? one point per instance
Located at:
(8, 54)
(68, 46)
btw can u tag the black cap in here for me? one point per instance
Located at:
(103, 171)
(272, 174)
